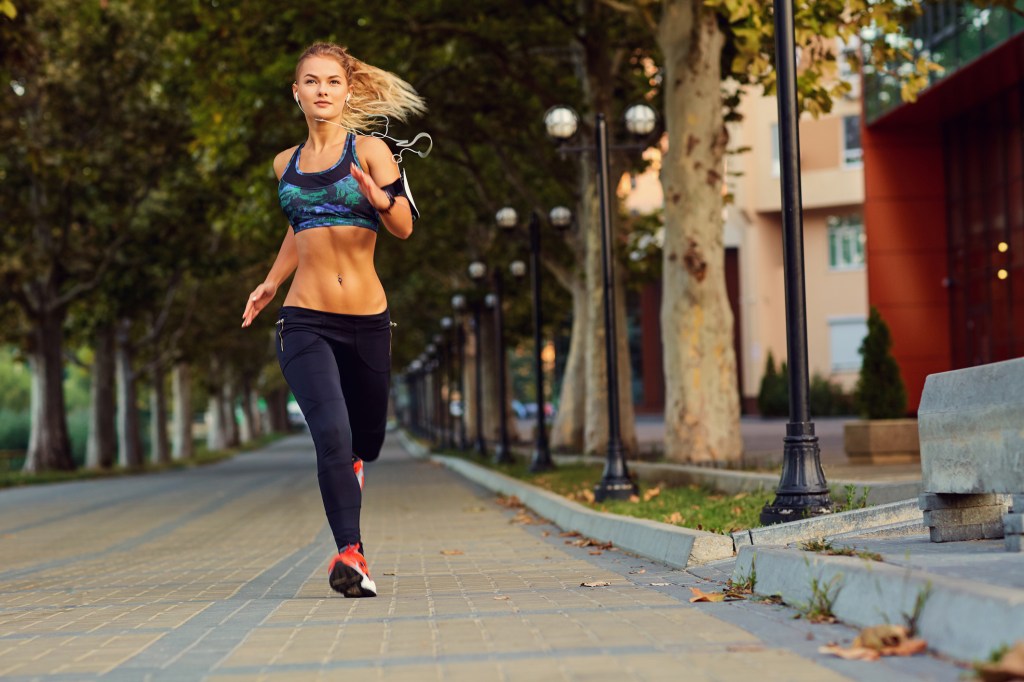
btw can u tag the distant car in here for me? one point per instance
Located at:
(520, 410)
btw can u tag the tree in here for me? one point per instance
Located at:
(880, 392)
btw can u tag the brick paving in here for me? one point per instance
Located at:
(219, 573)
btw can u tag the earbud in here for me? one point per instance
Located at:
(348, 97)
(296, 98)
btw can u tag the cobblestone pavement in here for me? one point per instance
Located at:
(219, 573)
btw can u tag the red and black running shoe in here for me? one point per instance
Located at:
(350, 575)
(357, 466)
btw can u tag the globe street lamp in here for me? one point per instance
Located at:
(561, 218)
(459, 306)
(802, 490)
(561, 123)
(477, 271)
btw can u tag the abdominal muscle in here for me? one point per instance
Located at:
(325, 253)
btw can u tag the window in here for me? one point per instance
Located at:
(845, 243)
(845, 337)
(853, 155)
(776, 168)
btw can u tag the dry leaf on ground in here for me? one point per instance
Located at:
(674, 517)
(1009, 667)
(660, 584)
(634, 498)
(637, 572)
(545, 533)
(595, 552)
(499, 598)
(451, 552)
(512, 502)
(596, 583)
(651, 493)
(879, 640)
(699, 595)
(569, 534)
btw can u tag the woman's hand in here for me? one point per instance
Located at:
(260, 297)
(369, 189)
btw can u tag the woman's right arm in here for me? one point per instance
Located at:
(284, 265)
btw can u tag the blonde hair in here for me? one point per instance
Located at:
(374, 92)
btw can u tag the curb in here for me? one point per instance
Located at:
(856, 521)
(967, 620)
(673, 545)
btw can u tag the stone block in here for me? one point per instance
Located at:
(933, 501)
(971, 426)
(1016, 503)
(876, 441)
(974, 531)
(1013, 524)
(1015, 543)
(963, 517)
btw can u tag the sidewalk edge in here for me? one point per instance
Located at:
(959, 618)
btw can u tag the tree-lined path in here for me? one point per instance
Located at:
(219, 573)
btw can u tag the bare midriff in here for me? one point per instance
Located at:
(327, 254)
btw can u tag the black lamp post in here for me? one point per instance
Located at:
(561, 218)
(447, 324)
(477, 271)
(459, 306)
(561, 123)
(437, 431)
(802, 490)
(414, 396)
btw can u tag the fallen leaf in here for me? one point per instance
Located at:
(595, 552)
(674, 517)
(501, 598)
(699, 595)
(1009, 667)
(634, 499)
(569, 534)
(511, 502)
(451, 552)
(388, 573)
(739, 496)
(597, 583)
(638, 572)
(545, 533)
(660, 584)
(651, 493)
(852, 654)
(736, 511)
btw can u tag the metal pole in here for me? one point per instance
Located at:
(541, 460)
(449, 354)
(802, 490)
(502, 453)
(481, 443)
(438, 400)
(615, 483)
(460, 355)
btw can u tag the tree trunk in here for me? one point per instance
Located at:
(277, 410)
(129, 446)
(255, 417)
(49, 448)
(247, 428)
(182, 445)
(567, 431)
(492, 402)
(227, 404)
(701, 398)
(102, 443)
(216, 438)
(469, 386)
(158, 417)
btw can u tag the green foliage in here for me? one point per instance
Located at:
(827, 398)
(15, 382)
(773, 396)
(15, 427)
(880, 390)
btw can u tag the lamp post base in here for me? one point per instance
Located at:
(503, 455)
(481, 447)
(614, 488)
(802, 490)
(541, 461)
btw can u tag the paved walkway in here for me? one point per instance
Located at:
(219, 573)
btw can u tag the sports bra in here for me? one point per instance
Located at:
(330, 197)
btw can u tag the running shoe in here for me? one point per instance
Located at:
(350, 575)
(357, 466)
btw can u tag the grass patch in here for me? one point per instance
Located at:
(823, 546)
(690, 506)
(10, 479)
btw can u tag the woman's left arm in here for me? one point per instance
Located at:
(380, 171)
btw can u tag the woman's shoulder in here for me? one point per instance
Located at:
(282, 159)
(371, 145)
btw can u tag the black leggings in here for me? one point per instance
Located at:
(339, 370)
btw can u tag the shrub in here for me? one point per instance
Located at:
(773, 398)
(827, 398)
(880, 390)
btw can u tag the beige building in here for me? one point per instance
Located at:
(835, 270)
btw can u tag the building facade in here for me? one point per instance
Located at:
(944, 196)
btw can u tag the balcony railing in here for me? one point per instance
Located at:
(950, 34)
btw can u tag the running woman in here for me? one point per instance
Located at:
(334, 330)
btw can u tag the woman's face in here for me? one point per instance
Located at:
(322, 87)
